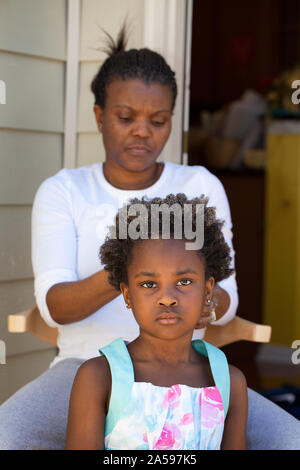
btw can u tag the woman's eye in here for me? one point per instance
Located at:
(125, 118)
(184, 282)
(148, 284)
(158, 123)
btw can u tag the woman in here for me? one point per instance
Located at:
(135, 94)
(134, 117)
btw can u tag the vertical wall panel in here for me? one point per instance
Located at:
(90, 149)
(86, 117)
(33, 27)
(27, 158)
(34, 93)
(15, 252)
(97, 14)
(32, 65)
(109, 15)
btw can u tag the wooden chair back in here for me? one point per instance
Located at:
(237, 329)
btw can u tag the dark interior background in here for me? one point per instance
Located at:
(235, 46)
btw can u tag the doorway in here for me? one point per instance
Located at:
(238, 49)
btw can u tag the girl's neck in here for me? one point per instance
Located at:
(124, 179)
(156, 350)
(168, 363)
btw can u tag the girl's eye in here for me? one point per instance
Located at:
(148, 284)
(184, 282)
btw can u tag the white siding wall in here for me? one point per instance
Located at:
(32, 65)
(109, 15)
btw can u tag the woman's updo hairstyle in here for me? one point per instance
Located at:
(144, 64)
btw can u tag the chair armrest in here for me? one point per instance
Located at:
(19, 322)
(31, 321)
(237, 329)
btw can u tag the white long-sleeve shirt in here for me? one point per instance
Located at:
(71, 214)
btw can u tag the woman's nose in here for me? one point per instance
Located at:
(141, 128)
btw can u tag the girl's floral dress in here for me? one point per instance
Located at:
(145, 416)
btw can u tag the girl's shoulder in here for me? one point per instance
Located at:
(94, 376)
(238, 383)
(96, 367)
(234, 436)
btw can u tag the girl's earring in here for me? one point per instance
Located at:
(213, 315)
(127, 305)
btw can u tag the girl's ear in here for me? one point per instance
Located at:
(125, 291)
(99, 116)
(209, 287)
(205, 316)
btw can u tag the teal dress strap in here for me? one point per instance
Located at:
(122, 374)
(219, 367)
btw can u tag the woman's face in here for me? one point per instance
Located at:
(166, 288)
(135, 123)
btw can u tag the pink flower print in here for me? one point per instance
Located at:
(212, 410)
(213, 395)
(171, 399)
(187, 419)
(145, 437)
(168, 438)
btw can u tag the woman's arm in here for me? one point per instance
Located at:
(225, 292)
(69, 302)
(234, 437)
(61, 297)
(222, 300)
(87, 408)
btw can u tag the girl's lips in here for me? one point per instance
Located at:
(168, 321)
(168, 318)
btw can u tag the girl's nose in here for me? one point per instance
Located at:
(167, 301)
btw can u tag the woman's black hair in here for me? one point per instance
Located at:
(144, 64)
(116, 252)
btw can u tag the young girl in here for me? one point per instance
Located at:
(162, 391)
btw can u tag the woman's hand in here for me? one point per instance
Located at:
(218, 306)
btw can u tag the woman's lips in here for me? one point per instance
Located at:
(138, 150)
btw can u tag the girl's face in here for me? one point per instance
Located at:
(135, 123)
(166, 288)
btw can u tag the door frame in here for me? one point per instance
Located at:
(168, 30)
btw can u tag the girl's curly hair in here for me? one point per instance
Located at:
(116, 252)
